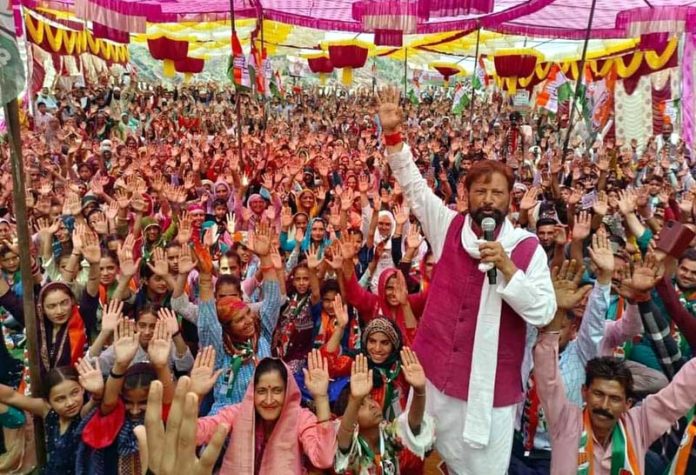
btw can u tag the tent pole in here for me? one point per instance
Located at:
(28, 305)
(473, 96)
(238, 95)
(263, 72)
(405, 70)
(581, 73)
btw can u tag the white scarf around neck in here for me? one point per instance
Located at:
(479, 411)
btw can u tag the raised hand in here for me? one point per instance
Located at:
(203, 374)
(173, 451)
(414, 237)
(99, 224)
(159, 262)
(360, 378)
(316, 374)
(602, 256)
(313, 259)
(529, 200)
(91, 378)
(401, 214)
(185, 229)
(400, 289)
(187, 262)
(90, 246)
(627, 202)
(125, 342)
(390, 113)
(565, 284)
(601, 204)
(231, 223)
(582, 226)
(413, 371)
(112, 313)
(286, 217)
(129, 267)
(644, 277)
(262, 240)
(160, 346)
(347, 198)
(169, 320)
(341, 311)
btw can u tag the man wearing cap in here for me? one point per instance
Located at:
(474, 326)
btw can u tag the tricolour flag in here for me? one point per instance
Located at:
(11, 69)
(460, 101)
(548, 98)
(237, 68)
(481, 79)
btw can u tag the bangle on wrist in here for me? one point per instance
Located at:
(419, 394)
(176, 333)
(267, 268)
(116, 375)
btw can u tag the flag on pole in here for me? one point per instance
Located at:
(549, 98)
(267, 75)
(460, 101)
(276, 85)
(237, 68)
(256, 71)
(481, 79)
(11, 69)
(415, 92)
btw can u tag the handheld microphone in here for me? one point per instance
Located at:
(488, 227)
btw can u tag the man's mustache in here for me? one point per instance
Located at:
(602, 412)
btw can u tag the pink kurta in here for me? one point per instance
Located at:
(644, 424)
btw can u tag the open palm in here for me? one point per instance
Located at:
(203, 375)
(316, 374)
(360, 378)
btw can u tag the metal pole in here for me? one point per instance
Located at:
(405, 70)
(263, 72)
(581, 73)
(471, 105)
(28, 304)
(238, 95)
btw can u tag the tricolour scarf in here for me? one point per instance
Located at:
(479, 413)
(680, 463)
(623, 455)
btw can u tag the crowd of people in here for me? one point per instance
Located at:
(369, 286)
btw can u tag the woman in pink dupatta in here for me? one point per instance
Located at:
(269, 429)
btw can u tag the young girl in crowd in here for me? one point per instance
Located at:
(381, 345)
(270, 431)
(370, 445)
(108, 443)
(180, 359)
(61, 411)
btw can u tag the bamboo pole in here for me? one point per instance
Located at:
(28, 305)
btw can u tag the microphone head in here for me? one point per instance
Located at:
(488, 224)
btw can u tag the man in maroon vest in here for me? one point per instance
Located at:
(472, 336)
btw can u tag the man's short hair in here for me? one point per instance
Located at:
(611, 369)
(485, 169)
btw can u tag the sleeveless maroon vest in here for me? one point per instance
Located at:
(445, 337)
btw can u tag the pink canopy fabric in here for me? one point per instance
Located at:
(432, 16)
(541, 18)
(568, 19)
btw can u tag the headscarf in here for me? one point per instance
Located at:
(282, 453)
(227, 307)
(307, 241)
(70, 340)
(385, 374)
(378, 237)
